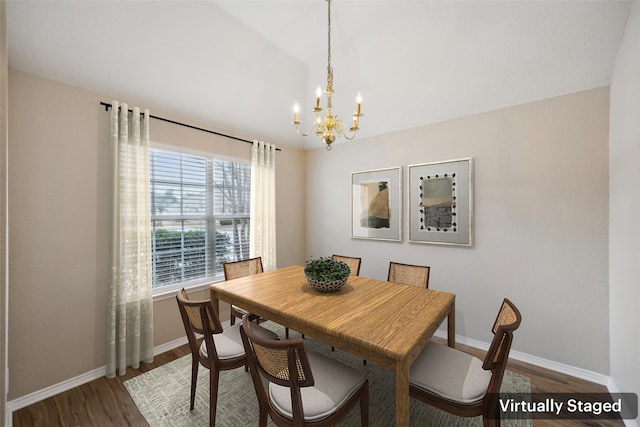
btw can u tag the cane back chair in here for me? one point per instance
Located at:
(235, 270)
(305, 389)
(461, 384)
(219, 350)
(352, 262)
(407, 274)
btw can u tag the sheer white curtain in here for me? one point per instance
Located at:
(263, 203)
(130, 311)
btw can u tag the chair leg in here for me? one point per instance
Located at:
(364, 406)
(194, 381)
(214, 377)
(491, 412)
(286, 333)
(491, 421)
(233, 319)
(486, 422)
(264, 417)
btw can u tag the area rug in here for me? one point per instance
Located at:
(162, 395)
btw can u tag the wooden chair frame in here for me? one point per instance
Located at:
(199, 317)
(507, 321)
(298, 364)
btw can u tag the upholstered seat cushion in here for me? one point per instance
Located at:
(334, 384)
(450, 373)
(229, 343)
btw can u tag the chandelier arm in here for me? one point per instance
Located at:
(307, 133)
(314, 126)
(341, 128)
(347, 137)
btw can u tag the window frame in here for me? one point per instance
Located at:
(210, 218)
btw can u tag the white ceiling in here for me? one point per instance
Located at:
(242, 64)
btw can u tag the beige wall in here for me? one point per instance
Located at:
(58, 198)
(624, 205)
(540, 220)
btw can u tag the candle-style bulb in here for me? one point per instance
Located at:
(296, 110)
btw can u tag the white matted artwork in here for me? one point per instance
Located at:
(376, 204)
(440, 202)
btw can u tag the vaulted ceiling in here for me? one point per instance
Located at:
(241, 64)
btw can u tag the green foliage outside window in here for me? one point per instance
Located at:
(190, 263)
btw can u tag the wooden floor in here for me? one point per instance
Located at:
(106, 403)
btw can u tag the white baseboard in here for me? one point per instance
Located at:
(37, 396)
(169, 346)
(63, 386)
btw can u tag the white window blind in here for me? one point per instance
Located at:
(199, 216)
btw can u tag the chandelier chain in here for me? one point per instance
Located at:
(329, 68)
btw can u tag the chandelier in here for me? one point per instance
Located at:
(330, 126)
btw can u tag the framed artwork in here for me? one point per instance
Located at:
(440, 202)
(376, 204)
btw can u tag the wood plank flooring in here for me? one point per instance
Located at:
(106, 403)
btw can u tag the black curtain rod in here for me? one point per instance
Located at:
(107, 106)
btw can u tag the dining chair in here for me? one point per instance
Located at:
(235, 270)
(461, 384)
(305, 388)
(407, 274)
(352, 262)
(220, 349)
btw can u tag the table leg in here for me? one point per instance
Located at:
(402, 394)
(451, 326)
(215, 303)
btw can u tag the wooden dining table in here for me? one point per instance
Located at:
(382, 322)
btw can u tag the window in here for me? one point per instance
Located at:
(199, 216)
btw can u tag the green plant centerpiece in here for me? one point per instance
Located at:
(326, 274)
